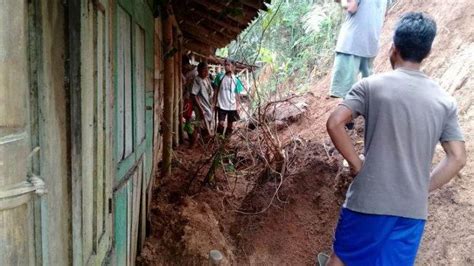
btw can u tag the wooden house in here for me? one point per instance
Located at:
(90, 102)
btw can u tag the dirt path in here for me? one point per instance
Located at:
(186, 224)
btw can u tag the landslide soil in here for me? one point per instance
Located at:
(187, 221)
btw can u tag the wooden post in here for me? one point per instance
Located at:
(176, 98)
(168, 95)
(181, 92)
(158, 90)
(16, 191)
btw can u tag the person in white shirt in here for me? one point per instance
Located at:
(228, 88)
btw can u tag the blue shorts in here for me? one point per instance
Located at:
(368, 239)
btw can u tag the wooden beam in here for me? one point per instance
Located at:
(214, 19)
(168, 97)
(206, 32)
(209, 40)
(198, 47)
(247, 14)
(225, 34)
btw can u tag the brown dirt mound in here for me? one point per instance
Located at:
(300, 221)
(289, 227)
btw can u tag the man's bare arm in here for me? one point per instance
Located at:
(341, 139)
(450, 166)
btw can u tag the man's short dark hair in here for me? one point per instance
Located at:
(201, 66)
(414, 35)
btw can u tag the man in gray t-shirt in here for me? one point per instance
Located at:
(406, 114)
(357, 44)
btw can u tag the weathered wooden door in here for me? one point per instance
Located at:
(103, 145)
(92, 193)
(132, 137)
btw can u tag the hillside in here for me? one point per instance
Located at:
(189, 220)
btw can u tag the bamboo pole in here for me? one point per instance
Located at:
(168, 96)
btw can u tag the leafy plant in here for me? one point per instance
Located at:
(293, 43)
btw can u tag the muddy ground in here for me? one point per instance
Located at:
(188, 219)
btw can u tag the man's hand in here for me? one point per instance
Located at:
(449, 166)
(355, 169)
(341, 139)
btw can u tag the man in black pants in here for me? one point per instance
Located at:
(228, 89)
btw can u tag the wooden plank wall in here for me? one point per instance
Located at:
(81, 142)
(16, 213)
(52, 116)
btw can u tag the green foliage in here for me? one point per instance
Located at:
(294, 38)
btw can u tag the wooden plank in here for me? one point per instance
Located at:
(140, 83)
(99, 146)
(120, 71)
(199, 47)
(157, 91)
(168, 97)
(127, 54)
(205, 31)
(149, 98)
(100, 196)
(143, 215)
(137, 192)
(129, 218)
(223, 23)
(88, 134)
(74, 26)
(243, 18)
(120, 225)
(16, 220)
(211, 41)
(104, 160)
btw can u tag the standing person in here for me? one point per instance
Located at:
(202, 94)
(406, 114)
(228, 87)
(189, 72)
(357, 44)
